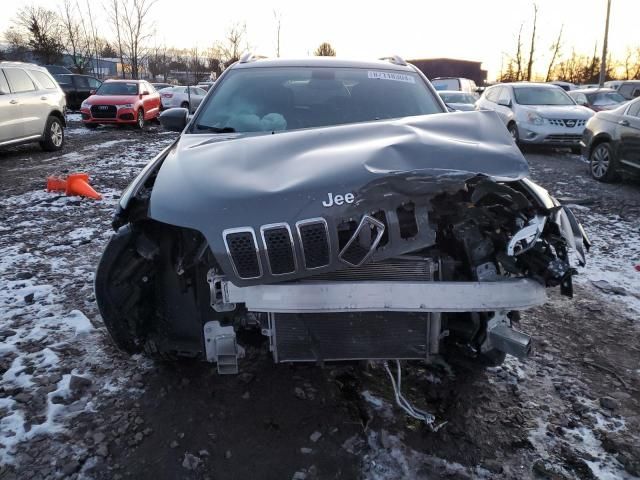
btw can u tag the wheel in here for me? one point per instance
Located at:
(184, 105)
(140, 120)
(513, 131)
(53, 137)
(122, 282)
(602, 163)
(91, 126)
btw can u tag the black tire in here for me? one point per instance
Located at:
(185, 105)
(140, 119)
(602, 163)
(53, 136)
(91, 126)
(121, 289)
(513, 131)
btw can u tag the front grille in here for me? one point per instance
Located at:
(279, 248)
(363, 242)
(242, 248)
(563, 138)
(103, 111)
(314, 236)
(567, 122)
(396, 269)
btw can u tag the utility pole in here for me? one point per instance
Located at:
(278, 16)
(603, 62)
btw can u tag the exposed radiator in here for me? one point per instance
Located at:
(356, 336)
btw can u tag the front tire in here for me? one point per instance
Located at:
(513, 131)
(140, 121)
(602, 163)
(185, 105)
(53, 138)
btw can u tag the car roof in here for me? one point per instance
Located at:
(459, 92)
(113, 80)
(32, 66)
(593, 90)
(323, 62)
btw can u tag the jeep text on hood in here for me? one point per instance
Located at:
(390, 239)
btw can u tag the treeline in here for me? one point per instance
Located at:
(575, 67)
(45, 36)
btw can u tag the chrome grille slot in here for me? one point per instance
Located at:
(243, 251)
(363, 243)
(278, 244)
(314, 236)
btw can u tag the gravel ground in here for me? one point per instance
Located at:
(71, 406)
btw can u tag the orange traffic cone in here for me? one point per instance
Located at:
(75, 184)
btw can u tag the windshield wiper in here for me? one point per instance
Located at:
(216, 129)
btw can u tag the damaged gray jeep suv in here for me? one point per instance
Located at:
(339, 210)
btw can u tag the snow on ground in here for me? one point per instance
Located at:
(614, 255)
(49, 346)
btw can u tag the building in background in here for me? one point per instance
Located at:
(451, 67)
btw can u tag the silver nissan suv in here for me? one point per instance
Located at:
(32, 106)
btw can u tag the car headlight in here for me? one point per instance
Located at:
(126, 105)
(534, 118)
(85, 104)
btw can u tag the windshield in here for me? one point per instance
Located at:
(607, 98)
(118, 88)
(542, 96)
(457, 97)
(446, 84)
(275, 99)
(62, 79)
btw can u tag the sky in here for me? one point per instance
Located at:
(480, 30)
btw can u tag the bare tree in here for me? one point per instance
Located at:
(234, 44)
(42, 30)
(518, 59)
(136, 29)
(114, 18)
(18, 44)
(325, 50)
(555, 52)
(94, 38)
(278, 17)
(77, 43)
(533, 42)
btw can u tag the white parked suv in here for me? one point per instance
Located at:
(537, 113)
(32, 106)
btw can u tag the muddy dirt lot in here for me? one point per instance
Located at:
(71, 406)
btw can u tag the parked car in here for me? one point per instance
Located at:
(461, 101)
(588, 86)
(122, 102)
(77, 88)
(611, 142)
(597, 99)
(537, 113)
(206, 85)
(32, 106)
(566, 86)
(455, 83)
(179, 97)
(57, 69)
(325, 204)
(615, 84)
(162, 85)
(629, 89)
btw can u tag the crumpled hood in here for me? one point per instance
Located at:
(215, 182)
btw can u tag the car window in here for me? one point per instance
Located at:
(18, 80)
(625, 90)
(493, 94)
(4, 86)
(446, 84)
(542, 96)
(580, 98)
(43, 79)
(634, 109)
(286, 98)
(94, 83)
(607, 98)
(62, 79)
(505, 95)
(82, 82)
(201, 91)
(118, 88)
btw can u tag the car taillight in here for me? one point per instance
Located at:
(167, 95)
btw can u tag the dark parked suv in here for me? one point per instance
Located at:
(336, 208)
(77, 88)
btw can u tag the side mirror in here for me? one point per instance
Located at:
(145, 93)
(504, 103)
(92, 92)
(174, 119)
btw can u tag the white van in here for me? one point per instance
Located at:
(455, 83)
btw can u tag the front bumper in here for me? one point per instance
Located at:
(123, 115)
(551, 135)
(376, 296)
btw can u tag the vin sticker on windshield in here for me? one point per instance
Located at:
(397, 77)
